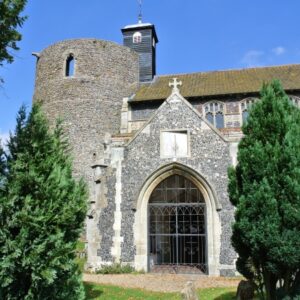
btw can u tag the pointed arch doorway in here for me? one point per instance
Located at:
(177, 227)
(145, 258)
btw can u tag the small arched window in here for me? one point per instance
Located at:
(214, 113)
(70, 66)
(245, 107)
(137, 37)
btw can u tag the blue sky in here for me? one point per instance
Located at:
(194, 36)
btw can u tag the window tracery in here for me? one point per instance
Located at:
(214, 113)
(245, 107)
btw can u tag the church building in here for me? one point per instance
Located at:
(153, 149)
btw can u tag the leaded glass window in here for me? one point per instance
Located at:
(214, 113)
(245, 108)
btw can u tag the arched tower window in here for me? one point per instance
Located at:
(137, 37)
(70, 66)
(245, 107)
(214, 113)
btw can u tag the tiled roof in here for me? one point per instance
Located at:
(220, 82)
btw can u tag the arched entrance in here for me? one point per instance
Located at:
(177, 227)
(142, 258)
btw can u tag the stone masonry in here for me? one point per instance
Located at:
(89, 103)
(115, 130)
(209, 156)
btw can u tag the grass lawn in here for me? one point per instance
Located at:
(108, 292)
(217, 294)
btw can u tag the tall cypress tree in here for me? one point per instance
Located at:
(42, 213)
(265, 188)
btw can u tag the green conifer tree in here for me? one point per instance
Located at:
(10, 21)
(2, 168)
(41, 216)
(265, 188)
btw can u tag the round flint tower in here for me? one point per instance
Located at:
(83, 82)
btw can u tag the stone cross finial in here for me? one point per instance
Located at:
(175, 85)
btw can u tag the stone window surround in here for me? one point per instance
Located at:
(214, 113)
(176, 130)
(65, 56)
(245, 105)
(213, 226)
(70, 58)
(240, 103)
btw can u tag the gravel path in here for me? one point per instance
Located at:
(161, 282)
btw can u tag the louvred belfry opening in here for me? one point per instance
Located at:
(177, 227)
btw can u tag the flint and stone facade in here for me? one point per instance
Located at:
(119, 125)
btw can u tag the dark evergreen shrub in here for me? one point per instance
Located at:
(42, 210)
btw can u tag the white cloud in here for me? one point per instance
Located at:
(252, 58)
(256, 58)
(279, 50)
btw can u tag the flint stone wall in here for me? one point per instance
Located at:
(89, 103)
(209, 157)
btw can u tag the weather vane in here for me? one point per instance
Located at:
(140, 11)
